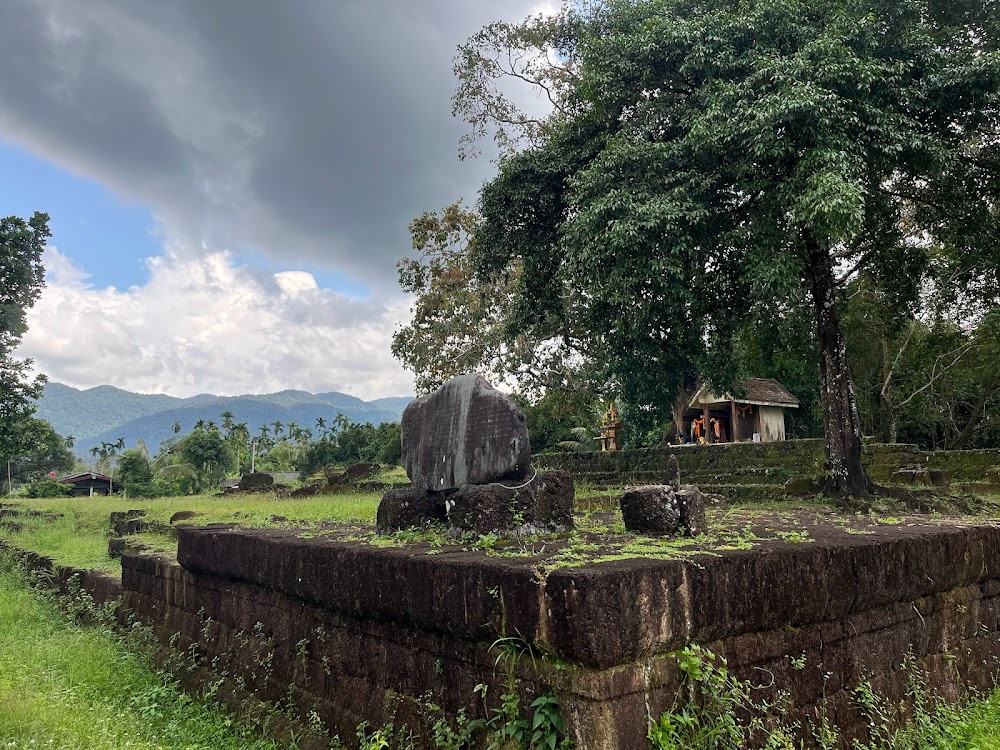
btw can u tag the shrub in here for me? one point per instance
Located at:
(48, 488)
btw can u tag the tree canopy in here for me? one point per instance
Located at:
(707, 163)
(21, 281)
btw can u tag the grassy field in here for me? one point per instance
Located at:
(79, 537)
(76, 688)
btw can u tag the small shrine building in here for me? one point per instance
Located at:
(758, 415)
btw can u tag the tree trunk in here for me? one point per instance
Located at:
(679, 410)
(846, 474)
(977, 412)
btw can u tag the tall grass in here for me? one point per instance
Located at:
(76, 688)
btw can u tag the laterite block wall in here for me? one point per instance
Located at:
(758, 463)
(362, 633)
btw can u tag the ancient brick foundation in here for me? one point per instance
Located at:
(361, 633)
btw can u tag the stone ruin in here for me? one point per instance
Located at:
(466, 450)
(665, 509)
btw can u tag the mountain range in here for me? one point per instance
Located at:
(106, 413)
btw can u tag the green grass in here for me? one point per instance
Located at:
(71, 687)
(80, 537)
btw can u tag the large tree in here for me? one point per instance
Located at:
(706, 160)
(21, 280)
(464, 322)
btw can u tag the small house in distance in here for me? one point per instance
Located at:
(91, 483)
(759, 415)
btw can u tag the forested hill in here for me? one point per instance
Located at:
(106, 413)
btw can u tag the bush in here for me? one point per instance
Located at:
(48, 488)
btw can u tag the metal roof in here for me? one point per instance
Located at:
(85, 476)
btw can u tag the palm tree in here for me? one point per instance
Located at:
(200, 424)
(321, 425)
(227, 420)
(120, 445)
(69, 440)
(277, 427)
(177, 427)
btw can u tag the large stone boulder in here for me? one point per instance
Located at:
(257, 481)
(409, 507)
(545, 504)
(651, 509)
(660, 510)
(465, 433)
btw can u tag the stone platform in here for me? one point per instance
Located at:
(375, 633)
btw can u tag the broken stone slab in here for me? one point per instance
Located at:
(465, 433)
(658, 510)
(354, 473)
(126, 523)
(691, 502)
(673, 476)
(542, 505)
(124, 545)
(409, 507)
(259, 480)
(182, 515)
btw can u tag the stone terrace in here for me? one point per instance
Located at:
(368, 632)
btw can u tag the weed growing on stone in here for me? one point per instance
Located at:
(717, 711)
(507, 726)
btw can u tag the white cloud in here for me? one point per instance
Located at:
(313, 130)
(205, 325)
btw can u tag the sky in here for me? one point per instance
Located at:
(230, 182)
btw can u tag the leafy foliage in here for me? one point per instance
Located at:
(47, 488)
(47, 453)
(354, 443)
(207, 454)
(708, 162)
(134, 470)
(21, 280)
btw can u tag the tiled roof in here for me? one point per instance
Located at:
(767, 390)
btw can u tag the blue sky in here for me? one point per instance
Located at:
(108, 237)
(227, 214)
(104, 235)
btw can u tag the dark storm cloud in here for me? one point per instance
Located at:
(312, 130)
